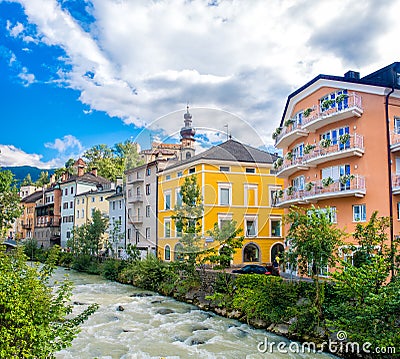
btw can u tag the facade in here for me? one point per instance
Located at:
(237, 183)
(48, 217)
(160, 150)
(116, 229)
(26, 223)
(70, 187)
(340, 138)
(141, 203)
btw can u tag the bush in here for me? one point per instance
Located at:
(112, 268)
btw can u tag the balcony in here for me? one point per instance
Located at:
(353, 187)
(290, 134)
(348, 108)
(136, 180)
(136, 219)
(353, 147)
(396, 184)
(394, 141)
(136, 198)
(27, 226)
(291, 166)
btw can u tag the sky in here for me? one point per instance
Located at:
(77, 73)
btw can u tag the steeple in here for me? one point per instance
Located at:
(187, 136)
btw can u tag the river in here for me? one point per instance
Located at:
(154, 326)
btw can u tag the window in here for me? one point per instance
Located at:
(297, 152)
(251, 227)
(138, 191)
(397, 125)
(359, 213)
(192, 170)
(179, 174)
(72, 190)
(83, 201)
(167, 201)
(147, 232)
(68, 234)
(148, 211)
(168, 177)
(101, 199)
(83, 213)
(329, 101)
(298, 183)
(273, 193)
(147, 189)
(250, 195)
(330, 211)
(65, 205)
(398, 211)
(251, 253)
(120, 204)
(137, 236)
(178, 229)
(250, 170)
(275, 228)
(113, 205)
(93, 199)
(335, 135)
(167, 253)
(224, 194)
(71, 204)
(66, 191)
(167, 229)
(77, 213)
(129, 233)
(178, 197)
(224, 168)
(93, 210)
(77, 201)
(148, 171)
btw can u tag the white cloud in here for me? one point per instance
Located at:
(13, 156)
(66, 143)
(146, 59)
(26, 77)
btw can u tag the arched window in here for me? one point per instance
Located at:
(251, 253)
(188, 155)
(167, 253)
(277, 250)
(178, 252)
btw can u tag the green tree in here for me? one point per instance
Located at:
(229, 241)
(127, 156)
(43, 179)
(314, 241)
(187, 218)
(27, 181)
(115, 237)
(367, 294)
(35, 319)
(10, 207)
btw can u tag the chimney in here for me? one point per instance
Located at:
(94, 171)
(352, 75)
(81, 171)
(119, 181)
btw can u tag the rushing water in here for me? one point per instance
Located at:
(141, 331)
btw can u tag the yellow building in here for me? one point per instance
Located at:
(237, 183)
(86, 203)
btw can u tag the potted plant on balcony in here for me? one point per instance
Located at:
(343, 179)
(308, 148)
(309, 186)
(307, 112)
(289, 190)
(327, 181)
(278, 194)
(276, 133)
(289, 156)
(326, 104)
(288, 122)
(278, 163)
(343, 139)
(325, 142)
(340, 98)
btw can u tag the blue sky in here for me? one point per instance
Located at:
(76, 73)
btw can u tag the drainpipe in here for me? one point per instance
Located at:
(389, 162)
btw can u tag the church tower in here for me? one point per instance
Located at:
(187, 137)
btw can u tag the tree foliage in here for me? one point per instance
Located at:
(228, 240)
(10, 207)
(314, 241)
(27, 181)
(187, 217)
(43, 179)
(35, 320)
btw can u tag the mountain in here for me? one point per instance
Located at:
(21, 172)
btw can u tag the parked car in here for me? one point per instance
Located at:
(252, 269)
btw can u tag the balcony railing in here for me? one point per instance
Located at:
(136, 219)
(353, 187)
(136, 198)
(395, 141)
(353, 147)
(319, 117)
(396, 184)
